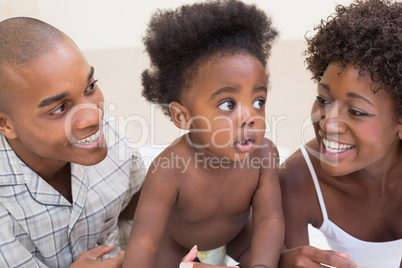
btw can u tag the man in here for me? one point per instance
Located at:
(66, 173)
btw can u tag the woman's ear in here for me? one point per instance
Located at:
(6, 127)
(180, 115)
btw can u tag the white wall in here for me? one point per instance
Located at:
(109, 33)
(104, 24)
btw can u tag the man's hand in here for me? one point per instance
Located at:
(91, 257)
(187, 261)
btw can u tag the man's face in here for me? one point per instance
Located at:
(57, 114)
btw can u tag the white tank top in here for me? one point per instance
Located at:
(365, 254)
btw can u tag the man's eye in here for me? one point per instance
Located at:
(227, 106)
(61, 109)
(91, 86)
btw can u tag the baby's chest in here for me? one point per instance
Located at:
(217, 196)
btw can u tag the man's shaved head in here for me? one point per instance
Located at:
(22, 40)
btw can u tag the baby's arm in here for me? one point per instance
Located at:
(268, 223)
(158, 196)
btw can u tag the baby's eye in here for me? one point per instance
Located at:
(227, 106)
(259, 103)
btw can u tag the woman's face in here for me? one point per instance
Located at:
(355, 127)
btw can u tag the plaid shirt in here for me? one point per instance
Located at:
(40, 228)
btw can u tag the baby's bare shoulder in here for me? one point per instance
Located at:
(171, 162)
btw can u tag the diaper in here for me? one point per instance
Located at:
(215, 256)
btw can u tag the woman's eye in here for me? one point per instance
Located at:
(322, 101)
(61, 109)
(227, 106)
(258, 104)
(357, 112)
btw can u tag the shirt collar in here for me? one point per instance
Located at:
(14, 171)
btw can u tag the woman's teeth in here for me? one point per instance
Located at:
(89, 139)
(334, 147)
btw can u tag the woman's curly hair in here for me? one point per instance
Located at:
(178, 41)
(367, 34)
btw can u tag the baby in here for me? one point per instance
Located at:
(218, 184)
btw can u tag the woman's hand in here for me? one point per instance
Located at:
(311, 257)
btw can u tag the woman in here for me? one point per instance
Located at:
(347, 182)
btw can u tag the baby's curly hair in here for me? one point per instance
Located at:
(366, 33)
(178, 41)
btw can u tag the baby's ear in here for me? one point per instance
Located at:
(180, 115)
(6, 127)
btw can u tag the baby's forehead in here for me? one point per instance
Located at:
(226, 70)
(211, 60)
(224, 54)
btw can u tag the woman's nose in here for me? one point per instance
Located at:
(332, 122)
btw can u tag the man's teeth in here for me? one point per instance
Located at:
(90, 139)
(334, 147)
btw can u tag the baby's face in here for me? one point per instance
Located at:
(226, 103)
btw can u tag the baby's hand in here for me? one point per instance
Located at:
(186, 262)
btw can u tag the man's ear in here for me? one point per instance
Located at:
(180, 115)
(400, 128)
(6, 127)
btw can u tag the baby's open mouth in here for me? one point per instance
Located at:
(245, 144)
